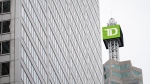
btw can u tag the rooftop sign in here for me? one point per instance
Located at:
(110, 32)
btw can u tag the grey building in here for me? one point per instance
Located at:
(123, 72)
(50, 42)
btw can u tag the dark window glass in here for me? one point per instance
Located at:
(5, 27)
(6, 6)
(0, 48)
(0, 7)
(104, 69)
(5, 47)
(105, 76)
(0, 26)
(5, 68)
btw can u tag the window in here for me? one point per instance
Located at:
(5, 7)
(120, 67)
(116, 74)
(112, 82)
(125, 74)
(5, 47)
(4, 68)
(136, 73)
(106, 68)
(5, 27)
(106, 75)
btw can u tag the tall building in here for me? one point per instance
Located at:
(122, 73)
(50, 42)
(116, 71)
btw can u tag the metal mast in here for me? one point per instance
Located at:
(113, 45)
(113, 39)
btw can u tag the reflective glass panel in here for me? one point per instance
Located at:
(5, 68)
(6, 27)
(5, 47)
(6, 6)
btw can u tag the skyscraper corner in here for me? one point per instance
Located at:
(50, 42)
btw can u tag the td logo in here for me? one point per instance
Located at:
(111, 32)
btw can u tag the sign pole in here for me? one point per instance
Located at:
(113, 39)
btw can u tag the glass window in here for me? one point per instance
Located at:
(106, 68)
(5, 69)
(112, 82)
(6, 26)
(6, 6)
(136, 73)
(5, 47)
(106, 75)
(0, 49)
(0, 7)
(116, 74)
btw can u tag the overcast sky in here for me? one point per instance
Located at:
(134, 18)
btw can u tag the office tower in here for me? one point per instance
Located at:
(50, 42)
(116, 71)
(122, 73)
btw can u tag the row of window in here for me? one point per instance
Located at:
(58, 52)
(82, 46)
(75, 72)
(136, 73)
(58, 27)
(44, 3)
(57, 19)
(57, 65)
(83, 34)
(30, 26)
(92, 35)
(92, 25)
(94, 14)
(79, 20)
(120, 67)
(30, 46)
(84, 52)
(5, 47)
(78, 69)
(62, 41)
(4, 7)
(57, 23)
(73, 81)
(34, 55)
(39, 10)
(31, 69)
(53, 74)
(4, 27)
(112, 82)
(24, 77)
(121, 75)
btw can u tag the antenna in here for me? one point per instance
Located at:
(113, 39)
(111, 14)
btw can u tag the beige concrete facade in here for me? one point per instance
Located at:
(52, 42)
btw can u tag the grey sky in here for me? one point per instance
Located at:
(134, 18)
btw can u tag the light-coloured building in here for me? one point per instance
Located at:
(122, 72)
(50, 42)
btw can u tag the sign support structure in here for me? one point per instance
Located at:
(113, 39)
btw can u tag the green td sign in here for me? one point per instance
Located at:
(111, 32)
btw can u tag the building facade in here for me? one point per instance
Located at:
(50, 42)
(123, 72)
